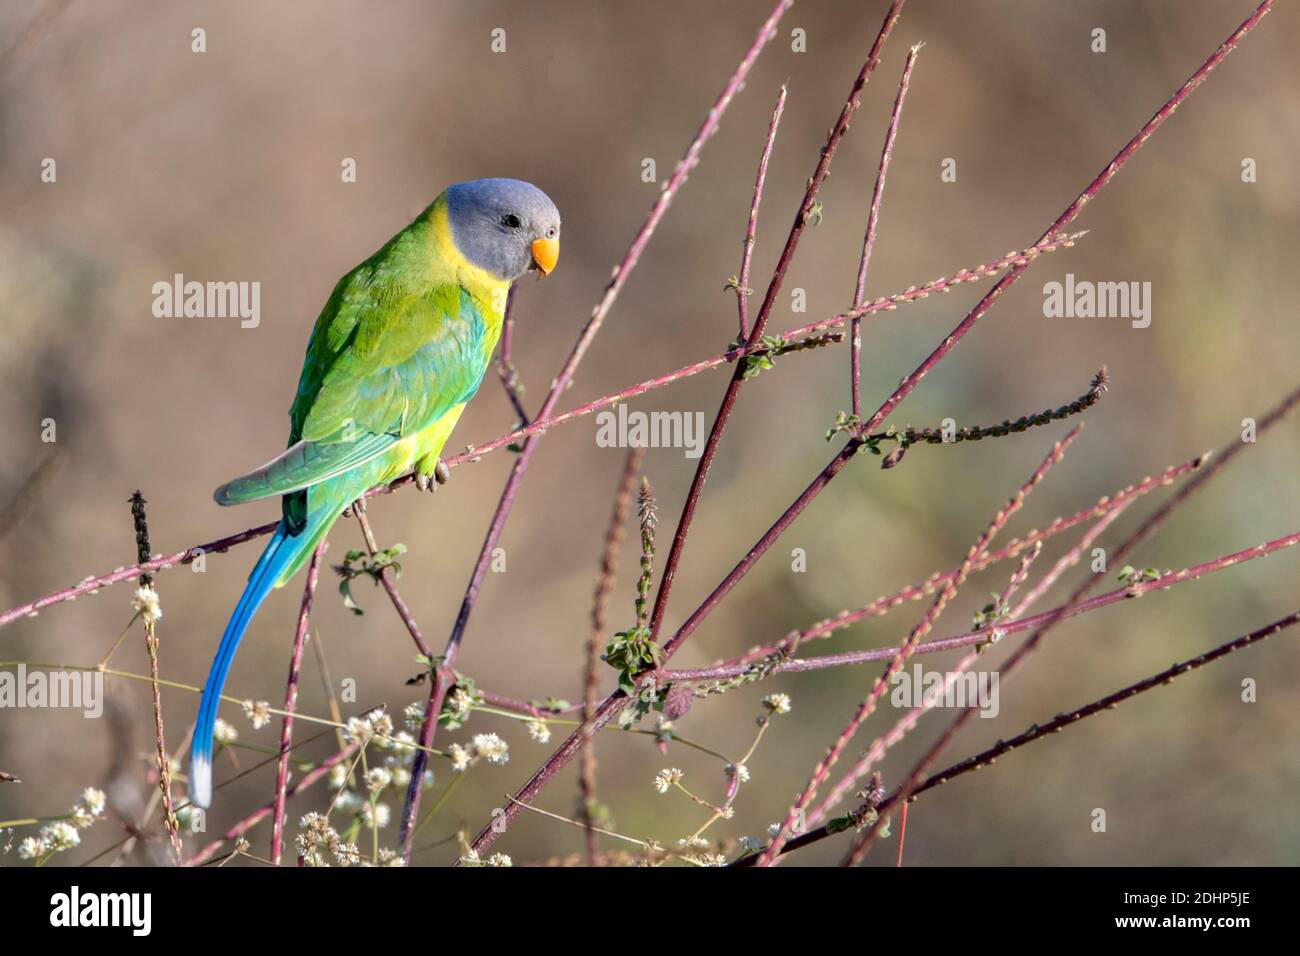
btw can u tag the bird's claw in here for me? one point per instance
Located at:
(431, 482)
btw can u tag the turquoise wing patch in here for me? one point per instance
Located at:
(302, 465)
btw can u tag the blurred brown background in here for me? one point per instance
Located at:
(226, 166)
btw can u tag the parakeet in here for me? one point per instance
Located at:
(400, 347)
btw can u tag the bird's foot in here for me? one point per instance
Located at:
(431, 482)
(359, 506)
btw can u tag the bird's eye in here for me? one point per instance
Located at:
(510, 221)
(550, 233)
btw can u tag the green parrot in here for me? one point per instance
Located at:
(400, 347)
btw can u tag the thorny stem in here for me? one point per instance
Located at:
(993, 629)
(613, 703)
(126, 847)
(937, 436)
(914, 592)
(1075, 605)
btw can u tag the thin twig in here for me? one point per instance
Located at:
(151, 648)
(390, 586)
(599, 631)
(291, 702)
(902, 834)
(327, 685)
(747, 255)
(505, 362)
(909, 436)
(137, 831)
(873, 220)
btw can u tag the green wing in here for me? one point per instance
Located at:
(391, 353)
(304, 464)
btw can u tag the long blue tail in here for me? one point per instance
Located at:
(279, 555)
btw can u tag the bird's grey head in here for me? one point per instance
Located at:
(505, 226)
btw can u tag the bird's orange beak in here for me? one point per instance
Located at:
(546, 253)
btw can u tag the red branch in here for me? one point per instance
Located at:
(747, 256)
